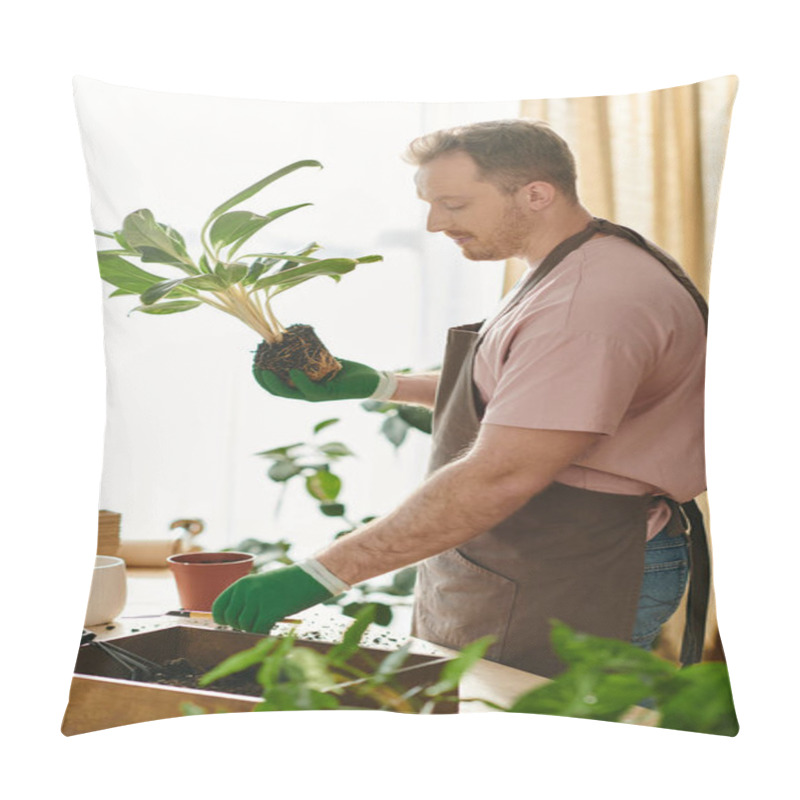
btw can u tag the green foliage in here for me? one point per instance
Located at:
(265, 552)
(240, 285)
(699, 699)
(605, 677)
(297, 677)
(400, 419)
(352, 636)
(313, 462)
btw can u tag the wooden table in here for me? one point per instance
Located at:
(152, 592)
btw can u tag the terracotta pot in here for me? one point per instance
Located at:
(202, 577)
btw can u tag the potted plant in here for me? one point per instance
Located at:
(222, 277)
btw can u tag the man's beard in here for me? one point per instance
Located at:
(506, 242)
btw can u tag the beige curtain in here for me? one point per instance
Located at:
(652, 162)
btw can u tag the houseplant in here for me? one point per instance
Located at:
(242, 285)
(313, 462)
(294, 677)
(604, 679)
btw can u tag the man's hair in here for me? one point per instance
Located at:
(509, 153)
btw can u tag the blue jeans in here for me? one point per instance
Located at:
(666, 570)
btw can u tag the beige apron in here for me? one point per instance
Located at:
(569, 554)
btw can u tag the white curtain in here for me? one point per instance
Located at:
(185, 416)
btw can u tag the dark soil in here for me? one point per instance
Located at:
(182, 673)
(300, 349)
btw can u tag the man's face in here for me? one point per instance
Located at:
(486, 223)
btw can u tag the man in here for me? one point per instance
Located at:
(567, 428)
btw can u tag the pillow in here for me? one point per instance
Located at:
(295, 191)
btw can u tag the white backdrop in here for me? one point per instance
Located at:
(416, 51)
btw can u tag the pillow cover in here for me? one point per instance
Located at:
(210, 204)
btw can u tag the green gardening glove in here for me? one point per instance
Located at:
(256, 602)
(352, 381)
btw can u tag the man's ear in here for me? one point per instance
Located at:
(539, 195)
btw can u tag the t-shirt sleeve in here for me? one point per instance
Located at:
(578, 381)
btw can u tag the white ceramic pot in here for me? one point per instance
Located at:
(109, 591)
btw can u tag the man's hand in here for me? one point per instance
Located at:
(351, 382)
(256, 602)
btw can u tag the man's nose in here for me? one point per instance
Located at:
(436, 221)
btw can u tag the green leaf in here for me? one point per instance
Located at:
(257, 269)
(173, 307)
(258, 186)
(394, 660)
(454, 670)
(612, 654)
(175, 237)
(230, 275)
(369, 259)
(330, 267)
(403, 581)
(312, 668)
(378, 406)
(395, 429)
(324, 485)
(417, 417)
(332, 509)
(383, 612)
(297, 698)
(699, 699)
(283, 470)
(129, 278)
(207, 283)
(584, 693)
(122, 242)
(335, 450)
(279, 453)
(339, 653)
(267, 218)
(300, 257)
(325, 424)
(155, 242)
(152, 255)
(191, 709)
(236, 227)
(239, 661)
(266, 261)
(160, 290)
(271, 666)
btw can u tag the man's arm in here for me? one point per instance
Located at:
(505, 467)
(416, 389)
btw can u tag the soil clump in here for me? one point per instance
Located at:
(300, 348)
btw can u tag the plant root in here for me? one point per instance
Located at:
(300, 348)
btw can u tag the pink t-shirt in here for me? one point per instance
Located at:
(608, 342)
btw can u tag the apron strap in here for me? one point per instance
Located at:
(699, 560)
(550, 262)
(612, 229)
(694, 630)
